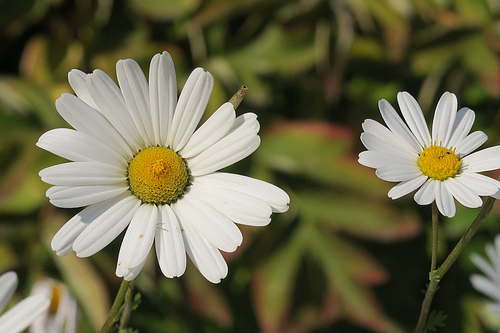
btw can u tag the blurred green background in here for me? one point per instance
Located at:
(345, 258)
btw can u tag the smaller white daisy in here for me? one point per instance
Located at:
(23, 313)
(442, 166)
(489, 283)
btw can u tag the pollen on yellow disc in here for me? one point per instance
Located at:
(157, 175)
(439, 162)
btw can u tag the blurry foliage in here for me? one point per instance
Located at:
(345, 258)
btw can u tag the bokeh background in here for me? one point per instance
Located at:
(345, 258)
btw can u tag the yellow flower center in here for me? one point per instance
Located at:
(157, 175)
(56, 299)
(439, 162)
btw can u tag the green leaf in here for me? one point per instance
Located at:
(435, 320)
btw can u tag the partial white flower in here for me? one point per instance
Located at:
(489, 283)
(61, 316)
(139, 162)
(21, 315)
(442, 166)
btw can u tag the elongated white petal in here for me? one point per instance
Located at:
(78, 82)
(109, 99)
(106, 227)
(162, 95)
(139, 237)
(444, 119)
(444, 200)
(8, 285)
(79, 147)
(463, 124)
(83, 173)
(85, 119)
(483, 160)
(135, 91)
(379, 159)
(374, 143)
(462, 193)
(485, 286)
(190, 108)
(62, 242)
(480, 184)
(214, 129)
(398, 127)
(131, 273)
(471, 142)
(427, 193)
(205, 256)
(414, 117)
(227, 151)
(239, 207)
(169, 244)
(212, 225)
(398, 173)
(406, 187)
(271, 194)
(484, 266)
(246, 120)
(24, 313)
(80, 196)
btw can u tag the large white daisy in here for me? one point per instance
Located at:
(21, 315)
(440, 166)
(138, 160)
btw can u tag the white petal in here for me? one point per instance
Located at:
(444, 119)
(63, 240)
(139, 237)
(227, 151)
(106, 227)
(271, 194)
(383, 133)
(135, 92)
(463, 124)
(24, 313)
(129, 274)
(77, 81)
(398, 127)
(239, 207)
(462, 193)
(427, 193)
(480, 184)
(83, 173)
(169, 244)
(190, 108)
(209, 222)
(471, 142)
(79, 147)
(205, 256)
(414, 117)
(398, 172)
(90, 121)
(485, 286)
(162, 94)
(80, 196)
(8, 285)
(246, 120)
(374, 143)
(214, 129)
(493, 257)
(484, 266)
(110, 102)
(406, 187)
(444, 200)
(379, 159)
(483, 160)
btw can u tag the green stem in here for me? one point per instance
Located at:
(114, 313)
(434, 250)
(437, 275)
(128, 307)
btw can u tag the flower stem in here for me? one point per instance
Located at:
(434, 250)
(116, 308)
(436, 275)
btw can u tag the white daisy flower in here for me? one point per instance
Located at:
(440, 166)
(21, 315)
(61, 316)
(139, 161)
(489, 283)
